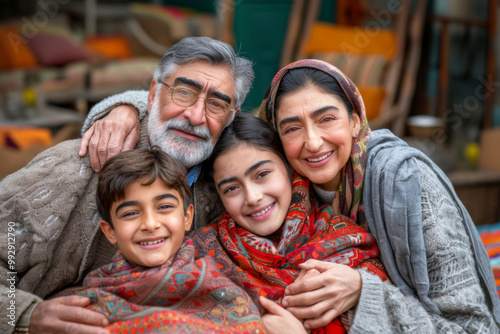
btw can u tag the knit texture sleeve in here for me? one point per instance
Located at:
(136, 98)
(455, 287)
(48, 211)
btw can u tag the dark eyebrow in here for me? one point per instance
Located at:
(197, 85)
(322, 110)
(125, 204)
(220, 95)
(164, 196)
(189, 82)
(157, 198)
(257, 165)
(228, 180)
(314, 114)
(248, 171)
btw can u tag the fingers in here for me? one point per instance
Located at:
(118, 131)
(67, 315)
(305, 284)
(322, 321)
(131, 140)
(84, 144)
(306, 273)
(305, 298)
(279, 320)
(81, 315)
(98, 146)
(272, 307)
(321, 266)
(313, 310)
(73, 300)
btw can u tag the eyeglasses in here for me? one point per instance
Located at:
(186, 97)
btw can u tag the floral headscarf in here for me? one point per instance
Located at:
(347, 200)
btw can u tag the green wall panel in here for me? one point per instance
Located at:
(259, 31)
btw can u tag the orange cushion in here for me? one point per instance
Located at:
(356, 40)
(111, 47)
(373, 97)
(14, 49)
(24, 137)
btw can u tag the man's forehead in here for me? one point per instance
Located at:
(204, 73)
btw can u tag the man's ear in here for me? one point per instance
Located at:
(151, 96)
(238, 110)
(188, 218)
(108, 231)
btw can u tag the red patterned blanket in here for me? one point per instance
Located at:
(263, 266)
(183, 295)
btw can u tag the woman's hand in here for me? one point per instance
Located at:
(279, 320)
(319, 298)
(117, 132)
(67, 315)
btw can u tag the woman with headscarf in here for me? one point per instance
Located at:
(428, 242)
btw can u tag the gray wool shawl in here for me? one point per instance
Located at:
(393, 211)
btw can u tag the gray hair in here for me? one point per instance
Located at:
(192, 49)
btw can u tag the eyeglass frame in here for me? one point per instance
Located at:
(172, 88)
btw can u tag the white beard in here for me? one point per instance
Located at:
(188, 152)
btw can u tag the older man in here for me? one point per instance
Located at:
(48, 211)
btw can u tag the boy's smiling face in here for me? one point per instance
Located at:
(149, 223)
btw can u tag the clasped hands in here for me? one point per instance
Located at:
(321, 292)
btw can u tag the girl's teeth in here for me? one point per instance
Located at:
(152, 242)
(320, 158)
(261, 212)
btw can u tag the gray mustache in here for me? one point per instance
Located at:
(186, 127)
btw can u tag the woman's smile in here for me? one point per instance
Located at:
(319, 160)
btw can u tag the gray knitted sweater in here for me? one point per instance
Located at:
(428, 245)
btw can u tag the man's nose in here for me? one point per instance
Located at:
(196, 113)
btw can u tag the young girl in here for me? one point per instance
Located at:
(273, 223)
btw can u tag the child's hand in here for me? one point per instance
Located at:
(279, 320)
(318, 299)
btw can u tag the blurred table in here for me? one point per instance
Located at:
(479, 191)
(49, 116)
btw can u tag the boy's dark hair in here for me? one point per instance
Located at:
(146, 165)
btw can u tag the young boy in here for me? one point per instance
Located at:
(154, 282)
(145, 204)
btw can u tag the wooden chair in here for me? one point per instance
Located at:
(378, 49)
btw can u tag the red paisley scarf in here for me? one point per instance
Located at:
(185, 295)
(347, 200)
(265, 267)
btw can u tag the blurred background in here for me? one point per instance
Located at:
(427, 69)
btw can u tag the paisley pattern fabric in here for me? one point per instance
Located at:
(266, 265)
(183, 295)
(347, 200)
